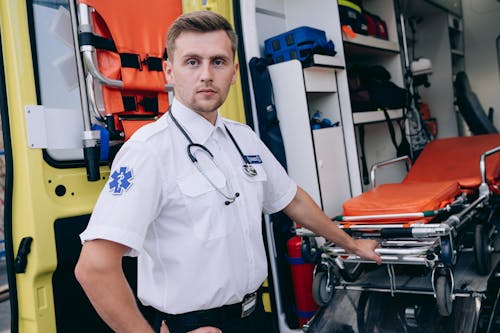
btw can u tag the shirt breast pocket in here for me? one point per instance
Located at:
(260, 176)
(204, 204)
(255, 184)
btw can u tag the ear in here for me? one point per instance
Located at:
(167, 69)
(236, 67)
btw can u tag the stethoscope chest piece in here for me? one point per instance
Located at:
(249, 170)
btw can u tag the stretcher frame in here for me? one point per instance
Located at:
(435, 246)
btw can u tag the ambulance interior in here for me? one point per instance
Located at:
(440, 268)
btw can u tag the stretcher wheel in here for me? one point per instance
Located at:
(447, 256)
(322, 288)
(482, 251)
(444, 300)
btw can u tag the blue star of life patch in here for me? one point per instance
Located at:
(121, 180)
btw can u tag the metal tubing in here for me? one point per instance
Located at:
(396, 260)
(92, 99)
(484, 188)
(457, 220)
(400, 243)
(81, 76)
(383, 251)
(91, 67)
(417, 230)
(482, 162)
(381, 164)
(387, 216)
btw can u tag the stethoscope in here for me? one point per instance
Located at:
(247, 167)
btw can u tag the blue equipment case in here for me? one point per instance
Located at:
(299, 43)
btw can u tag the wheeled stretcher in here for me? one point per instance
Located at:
(446, 205)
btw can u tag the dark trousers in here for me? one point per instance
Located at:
(240, 325)
(228, 320)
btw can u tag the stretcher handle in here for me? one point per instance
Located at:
(384, 163)
(396, 232)
(482, 162)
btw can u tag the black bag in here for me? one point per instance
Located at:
(269, 129)
(270, 134)
(371, 88)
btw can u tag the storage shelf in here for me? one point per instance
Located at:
(328, 61)
(371, 42)
(375, 116)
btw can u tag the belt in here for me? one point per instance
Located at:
(220, 314)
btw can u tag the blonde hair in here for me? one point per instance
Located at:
(200, 21)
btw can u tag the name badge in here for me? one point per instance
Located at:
(254, 159)
(248, 304)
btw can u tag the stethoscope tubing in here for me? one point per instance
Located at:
(247, 167)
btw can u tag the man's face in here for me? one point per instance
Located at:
(202, 70)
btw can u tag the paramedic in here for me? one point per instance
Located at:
(193, 215)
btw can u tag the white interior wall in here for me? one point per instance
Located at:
(433, 43)
(481, 30)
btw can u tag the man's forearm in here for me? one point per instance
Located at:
(100, 273)
(304, 211)
(116, 305)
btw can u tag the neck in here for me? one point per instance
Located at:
(210, 116)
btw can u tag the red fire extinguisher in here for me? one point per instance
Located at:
(302, 279)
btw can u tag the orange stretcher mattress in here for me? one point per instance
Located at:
(457, 159)
(444, 169)
(402, 198)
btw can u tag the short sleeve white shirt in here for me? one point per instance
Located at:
(194, 252)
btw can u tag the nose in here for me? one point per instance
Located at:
(206, 72)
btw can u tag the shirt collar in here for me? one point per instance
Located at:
(198, 128)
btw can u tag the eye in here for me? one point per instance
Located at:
(192, 62)
(219, 62)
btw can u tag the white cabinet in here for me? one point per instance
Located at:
(332, 168)
(316, 159)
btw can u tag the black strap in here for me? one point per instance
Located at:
(132, 60)
(390, 126)
(129, 60)
(149, 104)
(88, 38)
(403, 148)
(129, 103)
(154, 63)
(364, 167)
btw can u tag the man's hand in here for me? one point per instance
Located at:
(365, 248)
(304, 211)
(207, 329)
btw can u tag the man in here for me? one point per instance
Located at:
(183, 203)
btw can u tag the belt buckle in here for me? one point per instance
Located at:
(248, 304)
